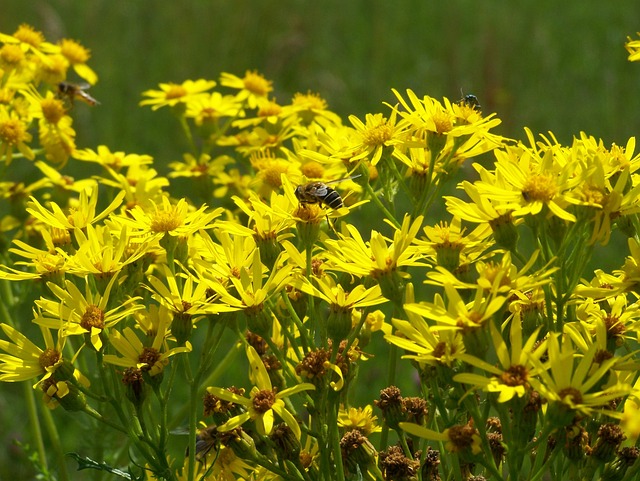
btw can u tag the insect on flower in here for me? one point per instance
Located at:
(72, 91)
(471, 100)
(320, 193)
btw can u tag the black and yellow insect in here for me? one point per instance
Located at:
(472, 101)
(320, 193)
(72, 91)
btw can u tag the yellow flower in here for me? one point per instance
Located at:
(103, 253)
(264, 403)
(13, 134)
(114, 160)
(77, 55)
(179, 220)
(49, 263)
(83, 313)
(78, 217)
(136, 354)
(376, 133)
(633, 47)
(171, 94)
(569, 384)
(511, 377)
(458, 314)
(528, 180)
(361, 419)
(253, 87)
(25, 360)
(209, 108)
(376, 258)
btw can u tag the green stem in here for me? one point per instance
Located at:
(372, 195)
(34, 423)
(54, 439)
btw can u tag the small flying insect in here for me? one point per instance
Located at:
(471, 100)
(206, 440)
(72, 91)
(320, 193)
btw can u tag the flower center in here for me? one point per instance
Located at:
(73, 51)
(516, 375)
(28, 35)
(12, 132)
(539, 187)
(378, 135)
(149, 356)
(48, 358)
(165, 221)
(175, 92)
(572, 393)
(263, 400)
(256, 84)
(11, 55)
(93, 317)
(52, 110)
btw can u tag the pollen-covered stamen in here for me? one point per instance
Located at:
(27, 34)
(309, 101)
(614, 327)
(572, 394)
(48, 358)
(73, 51)
(540, 187)
(175, 91)
(516, 375)
(11, 55)
(52, 110)
(256, 84)
(93, 317)
(269, 109)
(13, 132)
(378, 135)
(443, 122)
(149, 356)
(263, 400)
(166, 221)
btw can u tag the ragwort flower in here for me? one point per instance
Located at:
(264, 402)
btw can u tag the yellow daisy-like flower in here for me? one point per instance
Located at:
(113, 160)
(79, 217)
(458, 314)
(208, 109)
(264, 403)
(361, 419)
(178, 220)
(376, 133)
(511, 377)
(527, 181)
(633, 47)
(29, 39)
(49, 263)
(253, 87)
(376, 257)
(568, 380)
(13, 135)
(83, 313)
(25, 360)
(171, 94)
(77, 55)
(136, 354)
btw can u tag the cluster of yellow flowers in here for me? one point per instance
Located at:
(526, 358)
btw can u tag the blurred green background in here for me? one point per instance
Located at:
(548, 65)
